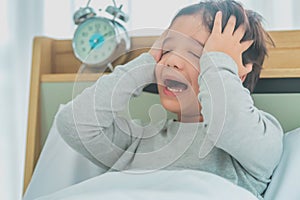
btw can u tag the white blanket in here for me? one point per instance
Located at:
(160, 185)
(60, 167)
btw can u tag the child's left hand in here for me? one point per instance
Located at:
(229, 42)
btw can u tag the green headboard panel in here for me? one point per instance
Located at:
(54, 94)
(285, 107)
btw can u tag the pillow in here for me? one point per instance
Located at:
(285, 182)
(50, 168)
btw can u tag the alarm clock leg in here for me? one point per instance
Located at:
(109, 65)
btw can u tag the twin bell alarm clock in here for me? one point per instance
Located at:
(98, 40)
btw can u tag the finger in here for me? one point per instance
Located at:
(245, 69)
(239, 33)
(158, 43)
(246, 44)
(217, 23)
(249, 67)
(156, 49)
(229, 28)
(164, 35)
(156, 53)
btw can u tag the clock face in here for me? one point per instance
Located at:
(94, 40)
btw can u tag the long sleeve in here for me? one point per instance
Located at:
(251, 136)
(90, 123)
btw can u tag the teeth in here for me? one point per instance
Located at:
(174, 90)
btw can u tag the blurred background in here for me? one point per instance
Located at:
(22, 20)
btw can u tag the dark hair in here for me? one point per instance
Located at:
(254, 31)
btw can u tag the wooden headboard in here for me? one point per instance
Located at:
(53, 62)
(283, 60)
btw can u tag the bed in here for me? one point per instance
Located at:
(51, 165)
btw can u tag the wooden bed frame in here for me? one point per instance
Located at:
(53, 61)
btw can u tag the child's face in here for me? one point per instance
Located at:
(178, 70)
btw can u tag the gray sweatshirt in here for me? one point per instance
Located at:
(236, 140)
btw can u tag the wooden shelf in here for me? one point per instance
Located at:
(70, 77)
(280, 73)
(266, 73)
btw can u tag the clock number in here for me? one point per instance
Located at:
(97, 26)
(84, 34)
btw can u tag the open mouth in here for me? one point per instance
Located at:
(175, 86)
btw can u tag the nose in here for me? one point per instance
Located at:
(175, 60)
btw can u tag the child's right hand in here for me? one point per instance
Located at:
(156, 49)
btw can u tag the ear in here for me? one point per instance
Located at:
(248, 69)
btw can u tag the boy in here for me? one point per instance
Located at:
(200, 65)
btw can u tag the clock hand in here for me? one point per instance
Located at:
(96, 40)
(106, 34)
